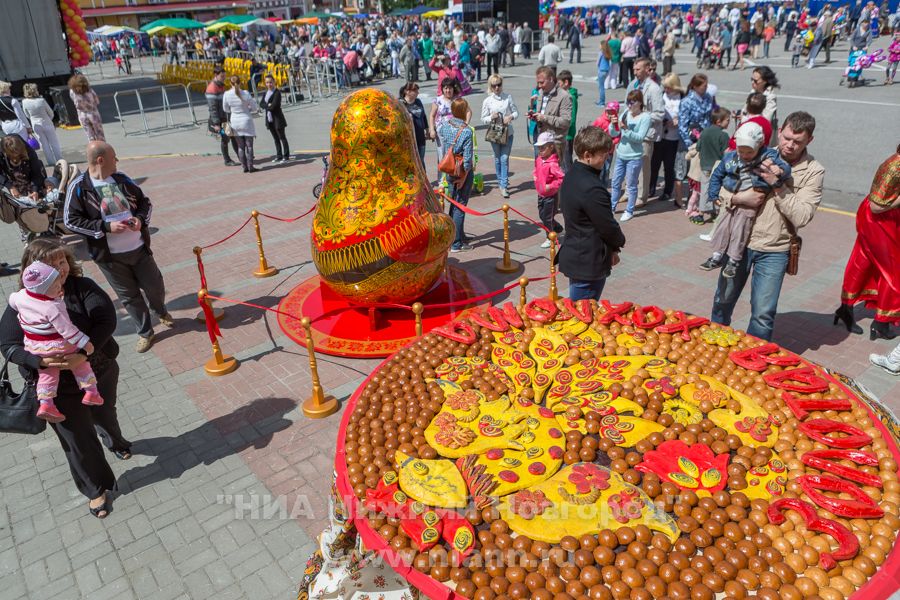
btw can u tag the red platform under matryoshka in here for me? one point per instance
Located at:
(339, 329)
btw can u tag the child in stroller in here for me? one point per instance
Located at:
(27, 196)
(711, 55)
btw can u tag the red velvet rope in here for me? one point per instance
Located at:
(225, 239)
(291, 220)
(251, 305)
(476, 213)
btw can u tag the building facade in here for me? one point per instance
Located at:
(134, 13)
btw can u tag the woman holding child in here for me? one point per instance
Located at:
(92, 311)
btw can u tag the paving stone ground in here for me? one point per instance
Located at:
(229, 482)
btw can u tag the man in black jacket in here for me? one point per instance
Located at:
(112, 213)
(593, 238)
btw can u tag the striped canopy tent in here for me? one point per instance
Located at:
(177, 24)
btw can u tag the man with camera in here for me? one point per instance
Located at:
(553, 107)
(112, 213)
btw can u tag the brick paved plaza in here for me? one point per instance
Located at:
(197, 513)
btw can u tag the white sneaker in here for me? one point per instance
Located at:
(706, 237)
(626, 216)
(885, 362)
(546, 243)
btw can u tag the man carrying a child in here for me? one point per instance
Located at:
(789, 205)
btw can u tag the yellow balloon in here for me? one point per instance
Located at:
(70, 12)
(75, 37)
(76, 56)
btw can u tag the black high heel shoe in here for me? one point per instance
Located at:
(880, 330)
(844, 313)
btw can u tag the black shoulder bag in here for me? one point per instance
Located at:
(18, 410)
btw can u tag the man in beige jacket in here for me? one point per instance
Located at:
(768, 250)
(553, 108)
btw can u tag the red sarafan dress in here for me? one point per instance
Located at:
(873, 270)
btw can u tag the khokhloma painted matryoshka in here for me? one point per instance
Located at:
(379, 234)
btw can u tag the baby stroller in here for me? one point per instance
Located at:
(43, 218)
(711, 56)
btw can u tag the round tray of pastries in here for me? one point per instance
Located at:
(557, 450)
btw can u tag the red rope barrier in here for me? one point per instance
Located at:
(466, 209)
(225, 239)
(284, 220)
(463, 302)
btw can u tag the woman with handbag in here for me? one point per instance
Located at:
(240, 106)
(456, 138)
(92, 311)
(498, 111)
(41, 116)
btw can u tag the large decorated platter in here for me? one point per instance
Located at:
(580, 450)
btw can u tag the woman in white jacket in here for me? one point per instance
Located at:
(499, 107)
(41, 116)
(240, 107)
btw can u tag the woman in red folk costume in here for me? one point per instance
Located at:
(872, 274)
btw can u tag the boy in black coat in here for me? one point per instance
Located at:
(593, 238)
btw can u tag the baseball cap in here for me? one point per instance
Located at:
(545, 138)
(749, 135)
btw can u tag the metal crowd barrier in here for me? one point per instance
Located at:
(155, 109)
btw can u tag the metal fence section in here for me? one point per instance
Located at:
(155, 110)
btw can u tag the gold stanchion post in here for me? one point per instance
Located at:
(317, 406)
(506, 265)
(554, 295)
(523, 294)
(264, 269)
(418, 308)
(219, 364)
(218, 313)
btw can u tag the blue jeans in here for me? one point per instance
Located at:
(629, 171)
(765, 287)
(586, 290)
(501, 161)
(601, 83)
(422, 154)
(461, 195)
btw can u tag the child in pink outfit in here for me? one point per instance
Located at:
(50, 332)
(548, 178)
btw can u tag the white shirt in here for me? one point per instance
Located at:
(503, 104)
(114, 208)
(550, 55)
